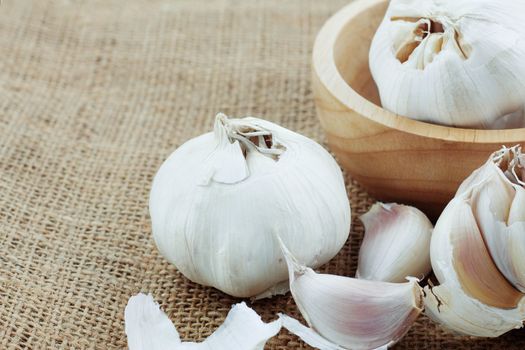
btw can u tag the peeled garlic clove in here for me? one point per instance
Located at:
(148, 328)
(396, 244)
(473, 297)
(350, 312)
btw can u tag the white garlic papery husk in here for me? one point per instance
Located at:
(455, 63)
(499, 208)
(396, 244)
(148, 328)
(350, 313)
(473, 297)
(218, 201)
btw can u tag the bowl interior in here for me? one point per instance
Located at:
(351, 51)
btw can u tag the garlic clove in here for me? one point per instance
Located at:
(479, 176)
(499, 209)
(148, 328)
(507, 247)
(473, 297)
(396, 244)
(503, 228)
(517, 208)
(474, 267)
(492, 198)
(350, 312)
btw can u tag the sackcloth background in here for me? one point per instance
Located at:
(94, 95)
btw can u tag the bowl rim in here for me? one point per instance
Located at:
(327, 72)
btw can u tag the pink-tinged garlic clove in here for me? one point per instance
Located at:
(396, 244)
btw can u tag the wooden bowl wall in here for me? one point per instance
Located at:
(393, 157)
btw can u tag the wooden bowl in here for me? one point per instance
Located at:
(393, 157)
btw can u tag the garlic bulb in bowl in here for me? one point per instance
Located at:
(456, 63)
(220, 200)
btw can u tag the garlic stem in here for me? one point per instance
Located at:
(252, 137)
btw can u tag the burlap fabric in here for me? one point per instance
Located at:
(94, 95)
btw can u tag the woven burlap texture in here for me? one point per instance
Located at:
(94, 95)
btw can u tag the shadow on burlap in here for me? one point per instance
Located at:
(94, 95)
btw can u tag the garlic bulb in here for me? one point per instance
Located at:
(473, 298)
(457, 63)
(350, 313)
(396, 244)
(499, 208)
(218, 201)
(148, 328)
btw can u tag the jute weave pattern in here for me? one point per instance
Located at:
(94, 95)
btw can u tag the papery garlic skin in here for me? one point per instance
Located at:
(396, 244)
(351, 313)
(148, 328)
(456, 63)
(473, 297)
(217, 202)
(307, 335)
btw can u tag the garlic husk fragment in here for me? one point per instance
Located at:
(218, 200)
(498, 204)
(456, 63)
(473, 297)
(396, 244)
(148, 328)
(307, 335)
(351, 313)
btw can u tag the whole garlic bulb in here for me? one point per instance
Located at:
(219, 201)
(456, 63)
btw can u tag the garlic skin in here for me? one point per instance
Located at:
(350, 313)
(473, 297)
(218, 201)
(455, 63)
(396, 244)
(307, 335)
(148, 328)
